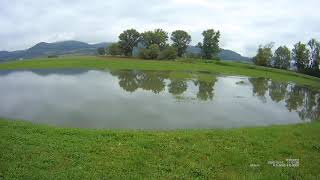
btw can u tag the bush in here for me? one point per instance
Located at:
(188, 60)
(151, 53)
(217, 58)
(144, 53)
(193, 55)
(115, 50)
(311, 72)
(52, 56)
(170, 53)
(154, 52)
(101, 51)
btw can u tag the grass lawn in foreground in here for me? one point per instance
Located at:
(30, 151)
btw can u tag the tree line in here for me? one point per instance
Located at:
(305, 57)
(154, 44)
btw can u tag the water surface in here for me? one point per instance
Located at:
(152, 100)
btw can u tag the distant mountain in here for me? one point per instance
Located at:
(103, 44)
(6, 55)
(44, 49)
(225, 54)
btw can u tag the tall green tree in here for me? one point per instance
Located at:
(301, 55)
(282, 57)
(210, 45)
(181, 39)
(314, 53)
(264, 55)
(158, 37)
(128, 40)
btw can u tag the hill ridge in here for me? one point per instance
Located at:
(44, 49)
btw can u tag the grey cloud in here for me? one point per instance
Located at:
(244, 24)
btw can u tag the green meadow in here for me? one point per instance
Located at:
(36, 151)
(222, 67)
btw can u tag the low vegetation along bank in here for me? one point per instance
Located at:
(223, 67)
(31, 151)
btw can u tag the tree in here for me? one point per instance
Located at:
(181, 40)
(128, 40)
(282, 57)
(264, 55)
(115, 50)
(210, 45)
(300, 54)
(315, 54)
(158, 37)
(169, 53)
(101, 51)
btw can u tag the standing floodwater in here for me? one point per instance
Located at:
(152, 100)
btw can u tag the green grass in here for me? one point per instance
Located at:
(227, 68)
(31, 151)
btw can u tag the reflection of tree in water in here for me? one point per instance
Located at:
(295, 98)
(206, 89)
(277, 91)
(127, 80)
(310, 108)
(130, 81)
(152, 81)
(260, 87)
(177, 86)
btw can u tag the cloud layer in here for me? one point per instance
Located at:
(244, 24)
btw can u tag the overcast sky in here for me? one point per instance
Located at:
(244, 24)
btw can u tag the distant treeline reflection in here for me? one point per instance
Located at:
(297, 98)
(130, 81)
